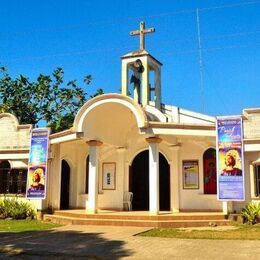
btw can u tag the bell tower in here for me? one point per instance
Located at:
(141, 73)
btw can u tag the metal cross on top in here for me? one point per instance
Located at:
(142, 32)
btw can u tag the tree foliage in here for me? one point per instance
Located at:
(47, 98)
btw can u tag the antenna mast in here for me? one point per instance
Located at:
(200, 62)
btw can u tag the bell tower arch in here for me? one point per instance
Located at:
(141, 73)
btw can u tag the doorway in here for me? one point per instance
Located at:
(65, 185)
(139, 182)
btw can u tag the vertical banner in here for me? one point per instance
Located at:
(37, 165)
(230, 154)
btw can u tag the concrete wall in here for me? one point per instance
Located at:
(252, 126)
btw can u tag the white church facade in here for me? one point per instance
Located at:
(120, 144)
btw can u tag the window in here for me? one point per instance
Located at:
(12, 181)
(209, 168)
(257, 179)
(87, 175)
(5, 169)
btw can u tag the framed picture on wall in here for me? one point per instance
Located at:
(190, 173)
(109, 176)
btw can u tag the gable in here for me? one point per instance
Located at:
(12, 135)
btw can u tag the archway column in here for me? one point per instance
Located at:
(121, 172)
(93, 176)
(153, 174)
(175, 181)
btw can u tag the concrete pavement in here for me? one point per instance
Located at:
(108, 242)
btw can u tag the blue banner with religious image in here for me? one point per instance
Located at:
(230, 174)
(37, 164)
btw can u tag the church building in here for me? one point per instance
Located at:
(130, 144)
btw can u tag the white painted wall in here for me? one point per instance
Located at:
(196, 199)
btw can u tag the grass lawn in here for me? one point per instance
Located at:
(25, 225)
(243, 232)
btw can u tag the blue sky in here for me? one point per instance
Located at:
(89, 37)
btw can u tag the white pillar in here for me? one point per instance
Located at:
(252, 181)
(175, 180)
(227, 206)
(124, 80)
(55, 177)
(145, 83)
(153, 175)
(121, 173)
(93, 176)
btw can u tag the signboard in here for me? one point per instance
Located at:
(109, 176)
(37, 165)
(230, 174)
(190, 172)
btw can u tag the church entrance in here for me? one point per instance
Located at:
(65, 185)
(139, 182)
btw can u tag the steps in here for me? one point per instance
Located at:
(138, 219)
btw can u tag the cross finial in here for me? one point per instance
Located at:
(142, 31)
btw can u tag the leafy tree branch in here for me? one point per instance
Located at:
(47, 98)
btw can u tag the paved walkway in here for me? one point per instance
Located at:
(105, 242)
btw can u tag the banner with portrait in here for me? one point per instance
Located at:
(37, 164)
(230, 156)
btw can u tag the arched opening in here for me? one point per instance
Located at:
(164, 182)
(139, 182)
(87, 175)
(209, 168)
(65, 185)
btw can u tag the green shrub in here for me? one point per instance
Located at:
(8, 204)
(11, 208)
(1, 208)
(251, 213)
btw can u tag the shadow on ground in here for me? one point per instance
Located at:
(55, 244)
